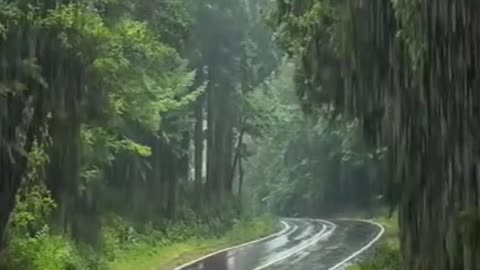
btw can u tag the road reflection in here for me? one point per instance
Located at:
(305, 245)
(252, 256)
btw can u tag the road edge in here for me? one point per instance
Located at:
(364, 248)
(308, 243)
(285, 228)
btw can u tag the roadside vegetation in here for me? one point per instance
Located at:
(314, 165)
(143, 133)
(125, 247)
(136, 133)
(161, 254)
(122, 130)
(404, 70)
(386, 254)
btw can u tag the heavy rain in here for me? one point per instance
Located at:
(239, 135)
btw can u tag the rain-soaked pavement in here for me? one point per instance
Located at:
(304, 244)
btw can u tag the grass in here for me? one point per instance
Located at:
(167, 257)
(392, 230)
(387, 254)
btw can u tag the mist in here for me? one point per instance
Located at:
(238, 135)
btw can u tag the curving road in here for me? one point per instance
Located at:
(302, 244)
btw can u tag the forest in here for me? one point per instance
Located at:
(143, 134)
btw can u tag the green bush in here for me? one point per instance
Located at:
(386, 258)
(41, 252)
(32, 246)
(246, 228)
(121, 237)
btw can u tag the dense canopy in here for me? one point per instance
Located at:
(128, 127)
(408, 72)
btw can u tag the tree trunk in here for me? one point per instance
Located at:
(13, 157)
(199, 139)
(64, 169)
(227, 160)
(13, 169)
(240, 177)
(172, 189)
(237, 159)
(212, 143)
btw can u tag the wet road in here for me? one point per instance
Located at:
(302, 244)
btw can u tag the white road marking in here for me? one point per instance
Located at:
(305, 232)
(277, 242)
(363, 249)
(296, 249)
(301, 257)
(280, 233)
(295, 228)
(325, 232)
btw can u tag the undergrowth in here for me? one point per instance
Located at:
(160, 255)
(387, 254)
(32, 244)
(126, 246)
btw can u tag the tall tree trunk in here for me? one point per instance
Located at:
(64, 169)
(237, 159)
(240, 177)
(13, 156)
(212, 143)
(13, 169)
(13, 166)
(199, 139)
(227, 160)
(219, 140)
(172, 188)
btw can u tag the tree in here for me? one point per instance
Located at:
(230, 66)
(410, 78)
(82, 78)
(309, 166)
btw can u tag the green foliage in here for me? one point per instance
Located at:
(303, 160)
(295, 29)
(32, 211)
(124, 242)
(273, 120)
(100, 96)
(31, 244)
(186, 242)
(386, 258)
(386, 255)
(412, 33)
(34, 203)
(247, 229)
(43, 251)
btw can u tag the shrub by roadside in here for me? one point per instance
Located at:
(163, 257)
(387, 254)
(33, 245)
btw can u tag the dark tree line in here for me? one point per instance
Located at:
(408, 70)
(116, 107)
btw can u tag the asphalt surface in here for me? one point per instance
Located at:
(303, 244)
